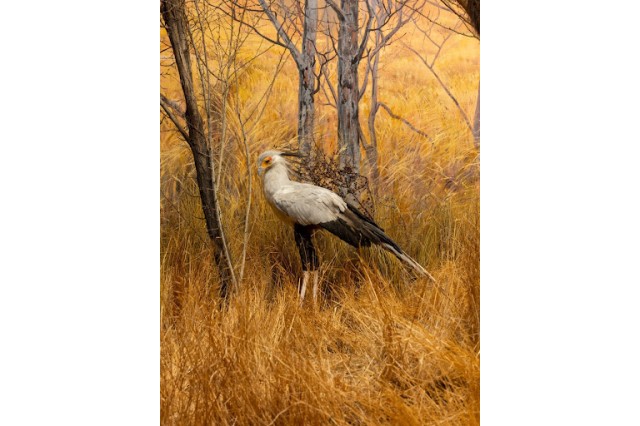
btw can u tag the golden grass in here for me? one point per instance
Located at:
(383, 347)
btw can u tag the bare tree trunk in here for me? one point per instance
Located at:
(348, 87)
(305, 60)
(173, 13)
(476, 122)
(307, 78)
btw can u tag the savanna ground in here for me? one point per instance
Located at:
(383, 346)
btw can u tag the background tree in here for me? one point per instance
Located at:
(351, 47)
(175, 22)
(466, 13)
(382, 37)
(207, 44)
(469, 13)
(292, 23)
(379, 28)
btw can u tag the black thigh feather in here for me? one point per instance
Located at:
(308, 257)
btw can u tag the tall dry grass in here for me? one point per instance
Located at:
(383, 347)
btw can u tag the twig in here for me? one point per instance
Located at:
(397, 117)
(173, 118)
(245, 241)
(444, 86)
(173, 104)
(282, 33)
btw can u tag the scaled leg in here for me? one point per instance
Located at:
(303, 236)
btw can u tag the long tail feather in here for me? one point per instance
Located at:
(358, 230)
(408, 260)
(376, 234)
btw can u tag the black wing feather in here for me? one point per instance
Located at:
(354, 228)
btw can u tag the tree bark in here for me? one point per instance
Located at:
(307, 79)
(174, 16)
(472, 7)
(470, 13)
(305, 60)
(348, 95)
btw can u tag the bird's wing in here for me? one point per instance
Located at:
(308, 204)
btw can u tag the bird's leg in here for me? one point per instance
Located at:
(315, 287)
(303, 236)
(303, 286)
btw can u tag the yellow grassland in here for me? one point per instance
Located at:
(383, 347)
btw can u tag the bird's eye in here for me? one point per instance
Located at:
(267, 160)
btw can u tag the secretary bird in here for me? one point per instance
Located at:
(309, 207)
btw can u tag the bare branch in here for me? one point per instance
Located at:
(363, 139)
(386, 39)
(324, 61)
(336, 8)
(444, 86)
(365, 36)
(166, 107)
(281, 33)
(397, 117)
(435, 57)
(435, 22)
(266, 95)
(438, 5)
(252, 27)
(173, 104)
(365, 81)
(246, 233)
(334, 95)
(471, 16)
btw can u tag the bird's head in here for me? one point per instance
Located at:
(270, 159)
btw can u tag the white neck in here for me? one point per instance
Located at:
(275, 178)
